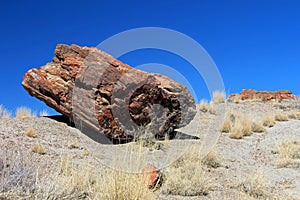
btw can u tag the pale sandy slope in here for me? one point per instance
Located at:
(250, 156)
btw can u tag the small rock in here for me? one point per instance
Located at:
(152, 176)
(1, 165)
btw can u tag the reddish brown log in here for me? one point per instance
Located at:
(115, 99)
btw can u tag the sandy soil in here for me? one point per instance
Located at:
(239, 158)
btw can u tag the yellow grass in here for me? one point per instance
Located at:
(255, 185)
(212, 159)
(187, 176)
(4, 113)
(74, 144)
(218, 97)
(30, 132)
(24, 112)
(226, 128)
(241, 126)
(289, 154)
(204, 106)
(257, 126)
(269, 121)
(281, 117)
(38, 148)
(43, 113)
(93, 181)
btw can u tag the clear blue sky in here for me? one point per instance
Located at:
(254, 43)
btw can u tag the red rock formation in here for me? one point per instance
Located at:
(264, 95)
(97, 91)
(152, 176)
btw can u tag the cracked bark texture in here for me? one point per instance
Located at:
(97, 91)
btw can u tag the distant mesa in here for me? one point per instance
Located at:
(264, 96)
(109, 98)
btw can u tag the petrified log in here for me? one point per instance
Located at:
(264, 95)
(97, 91)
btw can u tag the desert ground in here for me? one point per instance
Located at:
(246, 150)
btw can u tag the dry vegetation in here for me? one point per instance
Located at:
(255, 185)
(30, 132)
(38, 148)
(188, 177)
(238, 125)
(218, 97)
(204, 106)
(281, 117)
(269, 121)
(90, 180)
(289, 154)
(4, 113)
(24, 112)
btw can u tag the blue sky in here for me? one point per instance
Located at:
(254, 43)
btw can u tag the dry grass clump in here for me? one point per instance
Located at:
(255, 185)
(226, 128)
(74, 144)
(257, 127)
(269, 121)
(281, 117)
(38, 148)
(236, 99)
(4, 113)
(293, 115)
(43, 113)
(24, 112)
(17, 175)
(187, 176)
(91, 181)
(289, 154)
(239, 125)
(212, 159)
(204, 106)
(218, 97)
(30, 132)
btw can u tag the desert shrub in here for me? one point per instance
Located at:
(218, 97)
(38, 148)
(269, 121)
(4, 113)
(204, 106)
(30, 132)
(257, 127)
(24, 112)
(240, 126)
(211, 159)
(74, 144)
(281, 117)
(236, 99)
(255, 185)
(17, 175)
(289, 154)
(90, 181)
(292, 115)
(43, 113)
(187, 176)
(226, 128)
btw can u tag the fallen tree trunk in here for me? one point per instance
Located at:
(100, 93)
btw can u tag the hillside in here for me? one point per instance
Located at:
(45, 158)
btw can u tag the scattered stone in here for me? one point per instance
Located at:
(152, 176)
